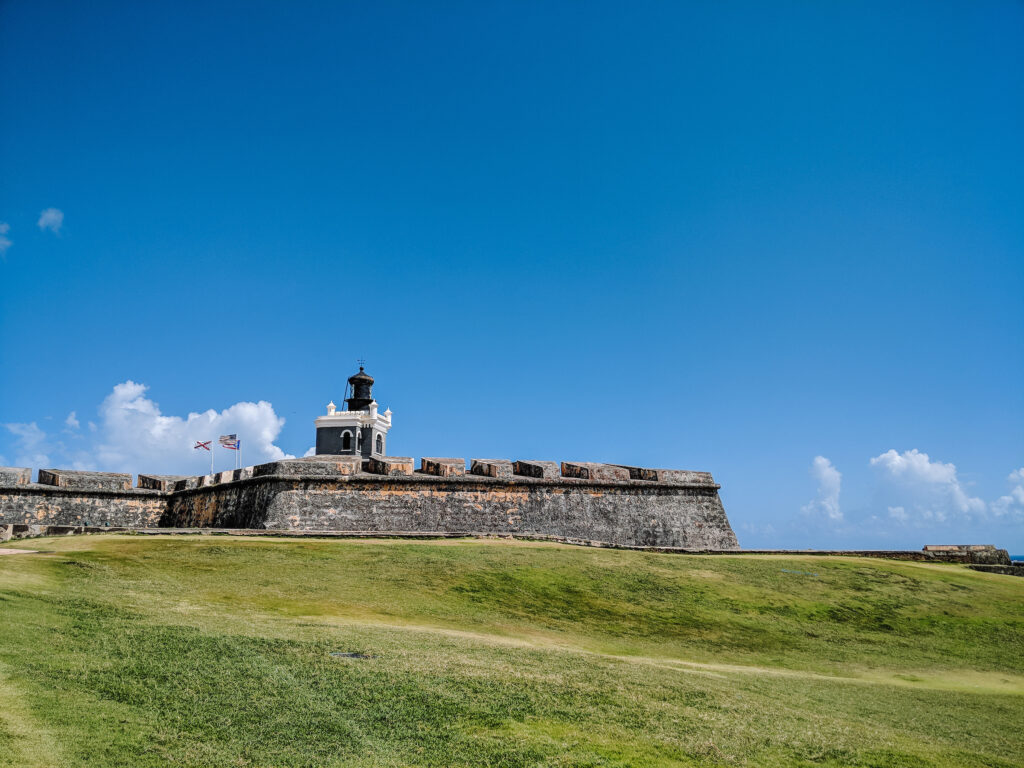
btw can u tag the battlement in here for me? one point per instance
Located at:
(613, 503)
(323, 466)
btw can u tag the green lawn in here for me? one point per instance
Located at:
(216, 651)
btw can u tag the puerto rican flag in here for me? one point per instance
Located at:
(231, 442)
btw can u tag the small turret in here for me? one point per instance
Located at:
(361, 385)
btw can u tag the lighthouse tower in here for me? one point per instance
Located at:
(359, 430)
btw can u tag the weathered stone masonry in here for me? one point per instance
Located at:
(46, 505)
(587, 502)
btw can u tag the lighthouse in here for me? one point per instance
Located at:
(360, 429)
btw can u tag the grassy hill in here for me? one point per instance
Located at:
(209, 651)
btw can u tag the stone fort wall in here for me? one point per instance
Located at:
(629, 506)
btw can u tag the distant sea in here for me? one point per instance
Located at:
(1017, 557)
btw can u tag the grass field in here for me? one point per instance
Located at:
(210, 651)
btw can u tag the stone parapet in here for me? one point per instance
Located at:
(15, 476)
(497, 468)
(547, 470)
(312, 466)
(668, 475)
(85, 481)
(443, 467)
(390, 465)
(159, 482)
(584, 470)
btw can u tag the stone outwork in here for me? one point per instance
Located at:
(981, 554)
(385, 494)
(1005, 570)
(630, 513)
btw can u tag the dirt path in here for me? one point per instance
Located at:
(17, 551)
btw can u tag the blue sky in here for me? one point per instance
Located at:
(719, 236)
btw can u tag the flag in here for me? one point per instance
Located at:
(231, 442)
(201, 444)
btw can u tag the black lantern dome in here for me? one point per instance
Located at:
(361, 386)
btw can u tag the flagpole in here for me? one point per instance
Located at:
(211, 459)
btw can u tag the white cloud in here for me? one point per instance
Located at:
(5, 241)
(1012, 505)
(898, 513)
(30, 445)
(829, 481)
(51, 219)
(72, 421)
(133, 435)
(924, 489)
(310, 452)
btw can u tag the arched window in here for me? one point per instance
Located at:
(346, 441)
(380, 444)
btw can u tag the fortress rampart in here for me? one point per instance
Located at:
(612, 504)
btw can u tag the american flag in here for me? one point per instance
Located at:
(230, 441)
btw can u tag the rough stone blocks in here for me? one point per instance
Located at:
(547, 470)
(15, 475)
(443, 467)
(679, 476)
(585, 470)
(390, 465)
(500, 468)
(159, 482)
(186, 484)
(675, 476)
(312, 466)
(86, 481)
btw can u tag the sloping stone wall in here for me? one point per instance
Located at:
(41, 504)
(593, 502)
(642, 514)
